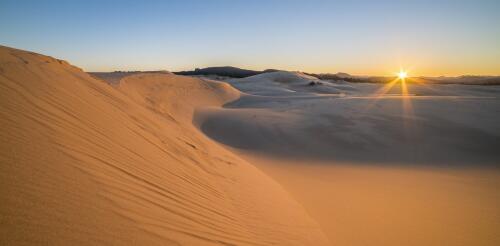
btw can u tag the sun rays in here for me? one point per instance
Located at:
(402, 80)
(406, 98)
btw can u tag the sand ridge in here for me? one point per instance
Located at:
(82, 162)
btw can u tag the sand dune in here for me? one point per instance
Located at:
(435, 125)
(282, 82)
(120, 159)
(371, 168)
(83, 163)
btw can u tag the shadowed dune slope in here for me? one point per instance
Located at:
(445, 125)
(375, 168)
(83, 163)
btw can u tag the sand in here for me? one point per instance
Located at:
(86, 163)
(160, 159)
(377, 205)
(374, 168)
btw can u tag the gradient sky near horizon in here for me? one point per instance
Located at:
(438, 37)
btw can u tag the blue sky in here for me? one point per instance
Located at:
(360, 37)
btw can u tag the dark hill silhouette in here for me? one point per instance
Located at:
(221, 71)
(226, 71)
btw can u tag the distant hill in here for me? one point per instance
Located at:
(226, 71)
(221, 71)
(346, 77)
(465, 79)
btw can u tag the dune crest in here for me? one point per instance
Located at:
(84, 163)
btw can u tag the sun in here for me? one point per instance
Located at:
(402, 74)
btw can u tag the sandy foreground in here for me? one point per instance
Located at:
(366, 205)
(85, 163)
(160, 159)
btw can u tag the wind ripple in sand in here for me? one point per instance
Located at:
(85, 163)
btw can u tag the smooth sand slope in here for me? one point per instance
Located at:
(373, 167)
(85, 163)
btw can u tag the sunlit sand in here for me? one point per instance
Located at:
(85, 163)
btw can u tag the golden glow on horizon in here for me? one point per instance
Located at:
(402, 74)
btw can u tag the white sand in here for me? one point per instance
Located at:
(375, 169)
(83, 163)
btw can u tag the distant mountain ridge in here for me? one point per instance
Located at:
(226, 71)
(235, 72)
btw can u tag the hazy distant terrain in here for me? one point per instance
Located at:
(226, 71)
(234, 72)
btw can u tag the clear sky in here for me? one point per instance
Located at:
(435, 37)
